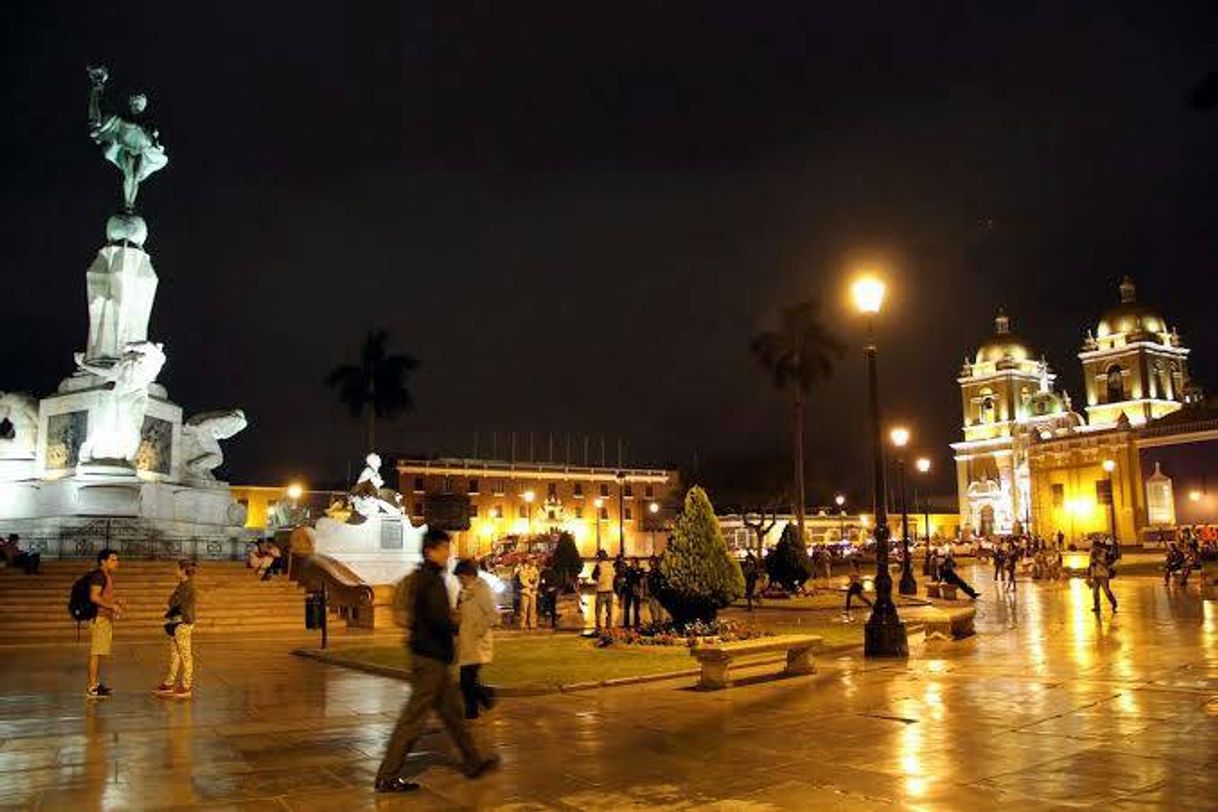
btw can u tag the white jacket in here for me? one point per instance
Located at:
(477, 615)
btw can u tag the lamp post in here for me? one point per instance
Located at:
(654, 509)
(923, 466)
(528, 497)
(1109, 467)
(621, 502)
(900, 439)
(600, 504)
(884, 633)
(840, 501)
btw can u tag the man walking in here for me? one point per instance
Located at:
(750, 578)
(1098, 573)
(101, 627)
(432, 687)
(603, 576)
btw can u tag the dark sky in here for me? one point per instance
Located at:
(577, 214)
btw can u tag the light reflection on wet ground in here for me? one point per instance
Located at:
(1047, 707)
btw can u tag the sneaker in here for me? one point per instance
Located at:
(183, 692)
(482, 767)
(99, 692)
(396, 785)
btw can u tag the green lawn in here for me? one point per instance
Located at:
(550, 661)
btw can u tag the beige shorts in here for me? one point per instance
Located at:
(101, 636)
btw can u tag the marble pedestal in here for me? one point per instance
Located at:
(381, 550)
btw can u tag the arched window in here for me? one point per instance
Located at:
(1116, 384)
(987, 409)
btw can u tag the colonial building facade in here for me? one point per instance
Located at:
(1029, 460)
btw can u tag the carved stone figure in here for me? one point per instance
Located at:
(201, 436)
(129, 142)
(116, 422)
(18, 426)
(370, 497)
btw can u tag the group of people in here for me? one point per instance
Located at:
(105, 607)
(1180, 559)
(14, 556)
(536, 593)
(630, 585)
(265, 559)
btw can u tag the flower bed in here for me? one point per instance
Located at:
(666, 634)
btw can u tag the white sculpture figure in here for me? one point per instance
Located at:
(18, 426)
(369, 497)
(116, 422)
(120, 287)
(201, 436)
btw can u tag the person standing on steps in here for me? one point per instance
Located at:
(180, 628)
(101, 628)
(423, 598)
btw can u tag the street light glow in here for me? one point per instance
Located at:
(599, 502)
(1109, 465)
(840, 500)
(923, 465)
(295, 491)
(899, 436)
(528, 496)
(654, 507)
(868, 294)
(1194, 496)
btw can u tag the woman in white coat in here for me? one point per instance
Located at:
(476, 616)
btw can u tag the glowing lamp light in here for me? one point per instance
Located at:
(1194, 496)
(1109, 465)
(600, 503)
(868, 292)
(295, 491)
(654, 507)
(923, 465)
(528, 496)
(899, 436)
(839, 500)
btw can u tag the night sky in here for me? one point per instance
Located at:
(577, 214)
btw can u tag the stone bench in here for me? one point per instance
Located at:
(716, 658)
(941, 590)
(949, 624)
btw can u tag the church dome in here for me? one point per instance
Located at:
(1003, 344)
(1130, 316)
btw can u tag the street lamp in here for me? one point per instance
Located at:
(1110, 466)
(621, 525)
(840, 501)
(600, 504)
(295, 491)
(654, 509)
(923, 466)
(900, 439)
(528, 497)
(884, 633)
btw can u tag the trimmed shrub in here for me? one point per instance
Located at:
(700, 576)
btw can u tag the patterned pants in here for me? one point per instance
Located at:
(180, 656)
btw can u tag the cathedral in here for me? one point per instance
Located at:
(1134, 459)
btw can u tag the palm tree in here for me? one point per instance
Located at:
(799, 354)
(376, 387)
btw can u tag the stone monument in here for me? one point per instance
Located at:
(110, 444)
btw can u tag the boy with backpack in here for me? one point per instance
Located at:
(93, 599)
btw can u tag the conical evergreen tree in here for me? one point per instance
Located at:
(566, 562)
(700, 576)
(788, 564)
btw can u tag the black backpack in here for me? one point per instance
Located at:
(80, 605)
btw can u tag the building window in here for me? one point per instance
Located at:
(523, 512)
(628, 515)
(987, 409)
(418, 484)
(448, 484)
(1059, 495)
(1103, 491)
(497, 512)
(628, 490)
(418, 507)
(579, 490)
(1115, 384)
(473, 486)
(473, 510)
(604, 514)
(498, 487)
(648, 491)
(579, 512)
(552, 490)
(604, 490)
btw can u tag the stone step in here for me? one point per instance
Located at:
(43, 626)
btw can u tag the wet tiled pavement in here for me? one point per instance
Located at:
(1045, 708)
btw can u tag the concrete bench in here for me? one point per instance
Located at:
(716, 658)
(950, 624)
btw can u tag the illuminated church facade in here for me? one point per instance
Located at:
(1031, 460)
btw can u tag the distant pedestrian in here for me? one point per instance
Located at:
(623, 587)
(101, 629)
(530, 579)
(655, 586)
(1098, 575)
(751, 570)
(632, 598)
(948, 575)
(603, 577)
(180, 626)
(855, 588)
(475, 646)
(423, 599)
(999, 561)
(1012, 563)
(548, 593)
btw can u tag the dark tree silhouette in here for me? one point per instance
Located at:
(800, 353)
(375, 388)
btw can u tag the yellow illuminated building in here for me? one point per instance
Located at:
(1028, 460)
(627, 508)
